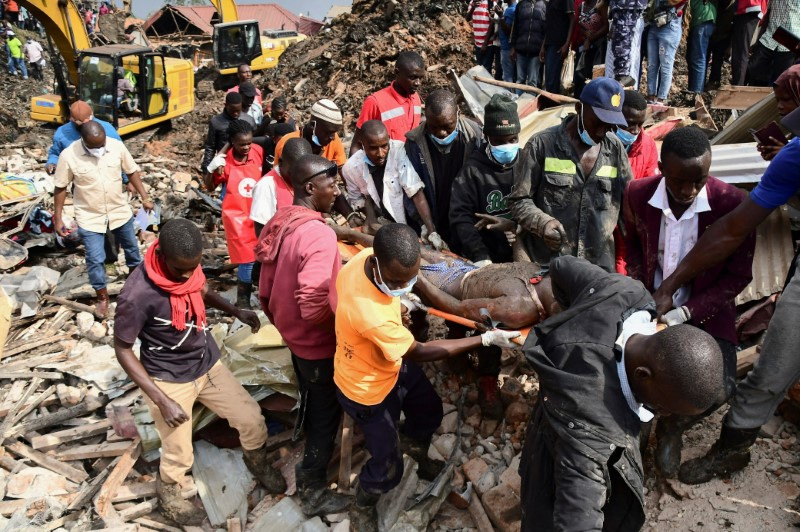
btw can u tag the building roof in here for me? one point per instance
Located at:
(200, 20)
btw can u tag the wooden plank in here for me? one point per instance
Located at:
(89, 490)
(739, 98)
(50, 375)
(27, 346)
(139, 510)
(234, 524)
(102, 503)
(313, 54)
(155, 525)
(5, 318)
(90, 404)
(8, 507)
(558, 98)
(74, 305)
(12, 414)
(30, 407)
(100, 450)
(54, 439)
(8, 463)
(142, 490)
(50, 401)
(745, 360)
(65, 470)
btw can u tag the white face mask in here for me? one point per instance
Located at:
(95, 152)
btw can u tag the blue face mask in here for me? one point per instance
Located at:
(448, 140)
(314, 137)
(627, 138)
(505, 153)
(388, 291)
(583, 134)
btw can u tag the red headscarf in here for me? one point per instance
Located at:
(789, 81)
(183, 295)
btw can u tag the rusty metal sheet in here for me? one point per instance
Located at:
(773, 256)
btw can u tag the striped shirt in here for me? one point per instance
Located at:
(480, 21)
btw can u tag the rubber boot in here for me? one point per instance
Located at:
(427, 468)
(270, 478)
(364, 513)
(315, 497)
(729, 454)
(669, 442)
(489, 397)
(175, 507)
(243, 291)
(102, 302)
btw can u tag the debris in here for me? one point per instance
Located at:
(223, 482)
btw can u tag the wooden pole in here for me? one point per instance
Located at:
(559, 98)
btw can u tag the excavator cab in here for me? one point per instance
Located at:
(236, 43)
(123, 84)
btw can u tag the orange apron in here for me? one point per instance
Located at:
(241, 178)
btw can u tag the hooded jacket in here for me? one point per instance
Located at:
(527, 32)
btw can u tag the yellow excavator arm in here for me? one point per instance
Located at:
(64, 25)
(227, 10)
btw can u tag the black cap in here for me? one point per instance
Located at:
(247, 89)
(500, 116)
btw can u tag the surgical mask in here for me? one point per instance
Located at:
(448, 140)
(314, 137)
(584, 135)
(366, 158)
(626, 138)
(95, 152)
(388, 291)
(505, 153)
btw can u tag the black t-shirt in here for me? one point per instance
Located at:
(445, 169)
(143, 311)
(559, 15)
(377, 173)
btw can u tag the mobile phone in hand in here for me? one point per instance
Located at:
(786, 38)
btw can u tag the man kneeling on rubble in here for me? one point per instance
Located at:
(163, 303)
(376, 371)
(603, 369)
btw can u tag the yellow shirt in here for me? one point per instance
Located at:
(370, 337)
(98, 196)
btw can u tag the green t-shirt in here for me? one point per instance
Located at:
(703, 11)
(15, 46)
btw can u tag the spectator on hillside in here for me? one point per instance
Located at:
(527, 40)
(719, 47)
(625, 40)
(590, 40)
(16, 60)
(506, 22)
(478, 14)
(704, 15)
(557, 37)
(665, 19)
(745, 21)
(34, 52)
(11, 11)
(768, 58)
(243, 74)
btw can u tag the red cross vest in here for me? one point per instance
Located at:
(241, 178)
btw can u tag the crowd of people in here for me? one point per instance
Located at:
(527, 41)
(625, 259)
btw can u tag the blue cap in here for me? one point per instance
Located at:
(605, 96)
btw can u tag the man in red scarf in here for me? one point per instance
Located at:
(163, 305)
(299, 263)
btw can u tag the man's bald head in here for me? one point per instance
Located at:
(374, 129)
(308, 168)
(293, 151)
(93, 134)
(80, 112)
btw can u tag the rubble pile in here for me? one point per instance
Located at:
(352, 57)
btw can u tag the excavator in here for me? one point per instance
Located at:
(238, 42)
(163, 87)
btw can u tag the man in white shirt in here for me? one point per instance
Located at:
(664, 217)
(379, 176)
(35, 53)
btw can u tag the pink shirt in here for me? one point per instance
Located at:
(298, 290)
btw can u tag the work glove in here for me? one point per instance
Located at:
(482, 263)
(436, 241)
(554, 235)
(676, 316)
(412, 302)
(217, 162)
(500, 338)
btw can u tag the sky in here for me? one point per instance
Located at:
(315, 8)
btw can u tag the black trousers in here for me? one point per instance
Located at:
(766, 65)
(743, 28)
(256, 276)
(320, 410)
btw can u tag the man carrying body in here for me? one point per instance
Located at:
(570, 200)
(375, 366)
(300, 261)
(163, 304)
(438, 149)
(379, 176)
(217, 135)
(245, 74)
(778, 367)
(603, 369)
(398, 105)
(485, 183)
(664, 217)
(93, 165)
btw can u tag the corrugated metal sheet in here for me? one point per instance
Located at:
(755, 117)
(269, 17)
(773, 256)
(737, 163)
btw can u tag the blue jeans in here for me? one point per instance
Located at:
(699, 37)
(662, 45)
(17, 63)
(244, 272)
(552, 68)
(528, 68)
(96, 253)
(508, 65)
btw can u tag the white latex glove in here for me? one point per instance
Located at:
(482, 263)
(412, 302)
(676, 316)
(500, 338)
(423, 233)
(437, 242)
(217, 162)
